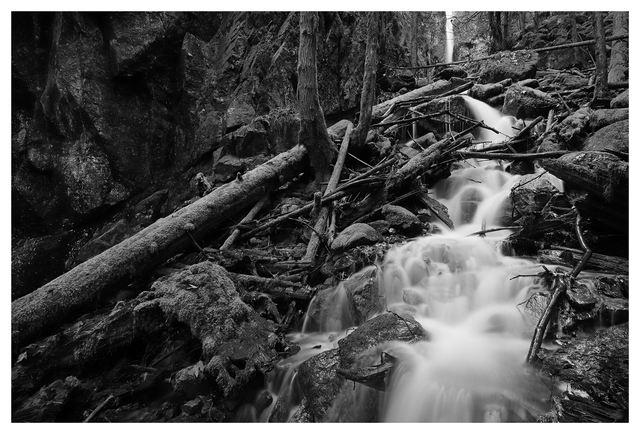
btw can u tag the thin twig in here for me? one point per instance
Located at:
(99, 408)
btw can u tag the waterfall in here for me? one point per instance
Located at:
(448, 52)
(463, 291)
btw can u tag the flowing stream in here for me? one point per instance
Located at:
(464, 291)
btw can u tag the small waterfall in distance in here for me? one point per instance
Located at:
(463, 291)
(448, 51)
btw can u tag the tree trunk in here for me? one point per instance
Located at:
(495, 27)
(313, 129)
(76, 291)
(505, 30)
(368, 82)
(601, 91)
(619, 62)
(523, 21)
(574, 37)
(414, 38)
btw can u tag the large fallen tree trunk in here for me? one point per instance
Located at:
(436, 88)
(82, 287)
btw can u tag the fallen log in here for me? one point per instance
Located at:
(568, 257)
(506, 156)
(76, 291)
(276, 288)
(250, 216)
(538, 50)
(600, 173)
(432, 89)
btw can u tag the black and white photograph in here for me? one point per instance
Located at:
(338, 216)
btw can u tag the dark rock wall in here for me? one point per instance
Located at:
(108, 108)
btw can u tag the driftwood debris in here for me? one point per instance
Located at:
(561, 282)
(76, 291)
(321, 223)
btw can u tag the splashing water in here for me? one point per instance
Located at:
(464, 292)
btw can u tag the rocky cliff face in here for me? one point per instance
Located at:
(109, 108)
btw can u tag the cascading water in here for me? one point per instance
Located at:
(464, 292)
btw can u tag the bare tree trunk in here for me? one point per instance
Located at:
(574, 37)
(313, 129)
(505, 31)
(78, 290)
(368, 96)
(414, 38)
(523, 21)
(601, 91)
(495, 27)
(619, 62)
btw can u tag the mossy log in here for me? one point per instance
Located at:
(432, 89)
(76, 291)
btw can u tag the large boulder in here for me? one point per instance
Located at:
(613, 137)
(485, 91)
(525, 102)
(363, 293)
(375, 332)
(320, 382)
(603, 117)
(402, 220)
(531, 193)
(358, 234)
(621, 101)
(516, 65)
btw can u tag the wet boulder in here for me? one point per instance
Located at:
(614, 137)
(485, 91)
(516, 65)
(363, 294)
(320, 382)
(531, 193)
(358, 234)
(603, 117)
(327, 310)
(525, 102)
(621, 101)
(402, 220)
(591, 377)
(383, 328)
